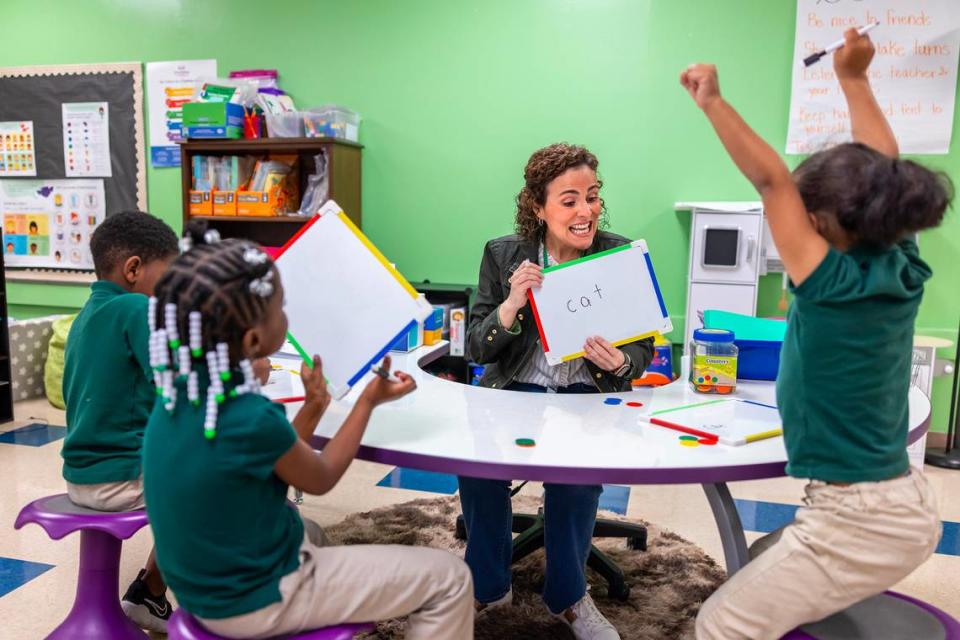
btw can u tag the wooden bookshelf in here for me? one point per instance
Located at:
(344, 169)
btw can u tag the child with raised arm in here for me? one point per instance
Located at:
(843, 224)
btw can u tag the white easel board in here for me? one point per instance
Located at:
(731, 421)
(612, 294)
(344, 300)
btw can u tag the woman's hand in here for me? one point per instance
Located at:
(853, 58)
(315, 385)
(380, 390)
(527, 276)
(603, 354)
(701, 81)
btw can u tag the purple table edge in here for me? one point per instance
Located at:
(713, 480)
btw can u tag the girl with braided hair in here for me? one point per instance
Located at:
(219, 459)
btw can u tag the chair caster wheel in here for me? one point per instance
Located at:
(637, 543)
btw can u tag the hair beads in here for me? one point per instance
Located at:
(196, 335)
(172, 360)
(170, 324)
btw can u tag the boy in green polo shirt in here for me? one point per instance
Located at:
(108, 385)
(843, 223)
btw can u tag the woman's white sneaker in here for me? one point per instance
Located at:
(586, 621)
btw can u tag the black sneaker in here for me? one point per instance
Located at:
(148, 611)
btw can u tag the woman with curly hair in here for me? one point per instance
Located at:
(559, 211)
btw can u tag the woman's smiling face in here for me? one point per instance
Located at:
(572, 209)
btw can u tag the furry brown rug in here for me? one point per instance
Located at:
(668, 582)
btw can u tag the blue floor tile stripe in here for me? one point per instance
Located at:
(765, 517)
(33, 435)
(16, 573)
(416, 480)
(615, 498)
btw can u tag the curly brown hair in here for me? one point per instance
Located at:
(542, 168)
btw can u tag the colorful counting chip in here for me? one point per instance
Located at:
(526, 442)
(612, 401)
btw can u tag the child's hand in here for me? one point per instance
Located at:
(315, 385)
(262, 369)
(702, 83)
(381, 390)
(853, 58)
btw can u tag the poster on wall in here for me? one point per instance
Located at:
(170, 85)
(17, 154)
(86, 139)
(914, 72)
(48, 223)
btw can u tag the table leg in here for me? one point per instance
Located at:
(728, 522)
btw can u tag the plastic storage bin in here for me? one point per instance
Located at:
(285, 125)
(331, 121)
(758, 339)
(758, 359)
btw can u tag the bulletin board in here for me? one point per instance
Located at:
(37, 94)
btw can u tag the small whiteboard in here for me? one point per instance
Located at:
(731, 421)
(612, 294)
(344, 300)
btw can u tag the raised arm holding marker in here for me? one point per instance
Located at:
(814, 58)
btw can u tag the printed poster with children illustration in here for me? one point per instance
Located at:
(48, 223)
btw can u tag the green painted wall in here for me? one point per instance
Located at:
(456, 95)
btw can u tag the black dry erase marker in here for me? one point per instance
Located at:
(814, 58)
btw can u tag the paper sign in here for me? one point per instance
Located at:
(345, 302)
(17, 153)
(612, 294)
(914, 72)
(86, 139)
(48, 223)
(170, 85)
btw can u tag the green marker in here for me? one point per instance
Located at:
(209, 434)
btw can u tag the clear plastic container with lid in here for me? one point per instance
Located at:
(713, 366)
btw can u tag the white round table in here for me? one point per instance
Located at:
(459, 429)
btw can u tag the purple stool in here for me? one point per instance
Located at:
(183, 626)
(96, 612)
(887, 615)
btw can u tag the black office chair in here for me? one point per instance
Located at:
(530, 528)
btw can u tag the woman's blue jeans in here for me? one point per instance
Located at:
(569, 513)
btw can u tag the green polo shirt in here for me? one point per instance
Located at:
(224, 532)
(845, 365)
(107, 387)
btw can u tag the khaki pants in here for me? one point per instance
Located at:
(846, 544)
(108, 496)
(364, 583)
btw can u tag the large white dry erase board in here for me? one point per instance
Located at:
(612, 294)
(344, 300)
